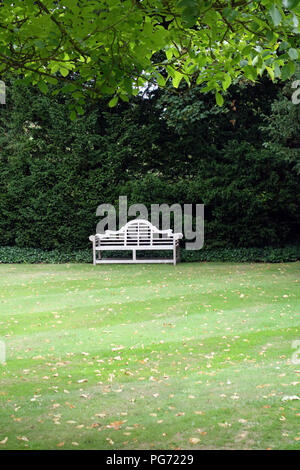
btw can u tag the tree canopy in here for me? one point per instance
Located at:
(113, 47)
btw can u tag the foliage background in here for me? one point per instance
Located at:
(171, 146)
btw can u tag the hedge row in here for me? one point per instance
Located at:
(267, 254)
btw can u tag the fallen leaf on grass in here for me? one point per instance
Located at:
(4, 441)
(194, 440)
(116, 425)
(22, 438)
(290, 397)
(241, 436)
(235, 397)
(117, 348)
(60, 444)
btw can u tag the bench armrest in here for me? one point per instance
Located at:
(178, 236)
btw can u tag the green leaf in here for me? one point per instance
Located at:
(270, 72)
(80, 110)
(69, 87)
(169, 54)
(275, 15)
(77, 95)
(292, 66)
(293, 53)
(244, 62)
(277, 70)
(64, 72)
(160, 80)
(290, 3)
(285, 72)
(43, 87)
(54, 67)
(250, 72)
(283, 45)
(247, 50)
(295, 21)
(189, 16)
(124, 97)
(230, 14)
(112, 103)
(219, 99)
(177, 79)
(226, 82)
(271, 37)
(73, 115)
(52, 80)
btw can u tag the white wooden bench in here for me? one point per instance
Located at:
(138, 234)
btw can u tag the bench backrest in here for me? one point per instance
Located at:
(137, 232)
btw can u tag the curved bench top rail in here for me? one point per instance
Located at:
(137, 228)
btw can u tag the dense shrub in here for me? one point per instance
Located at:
(237, 255)
(240, 255)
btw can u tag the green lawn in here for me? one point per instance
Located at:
(149, 356)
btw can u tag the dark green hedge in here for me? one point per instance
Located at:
(240, 255)
(166, 149)
(267, 254)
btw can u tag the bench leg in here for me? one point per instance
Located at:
(178, 253)
(174, 255)
(133, 255)
(94, 255)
